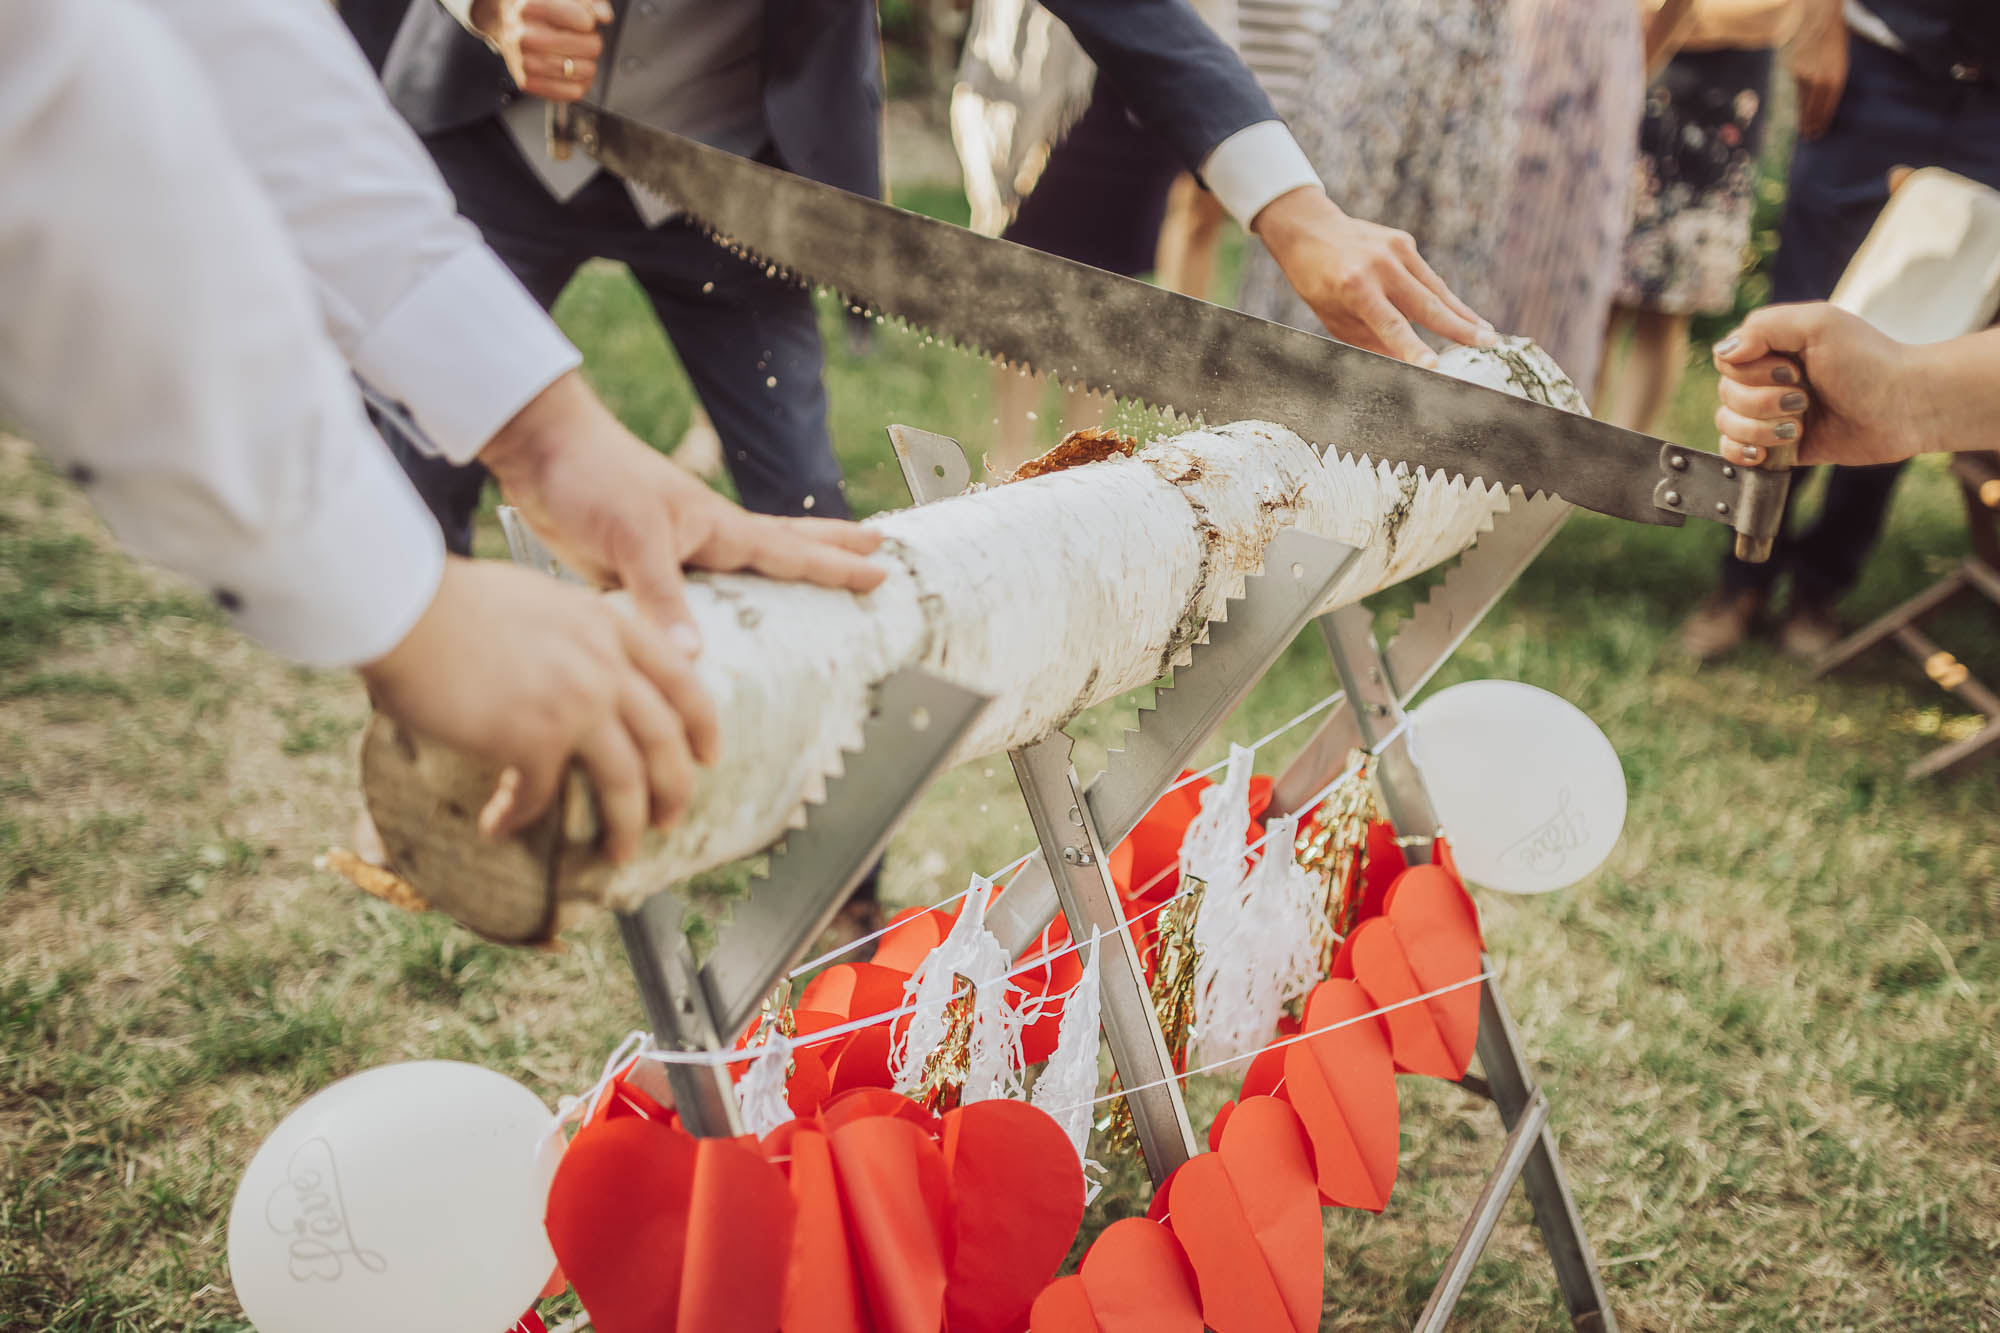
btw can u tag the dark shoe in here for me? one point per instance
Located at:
(1809, 629)
(1721, 623)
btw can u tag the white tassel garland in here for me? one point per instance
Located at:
(1257, 951)
(760, 1093)
(1068, 1081)
(969, 951)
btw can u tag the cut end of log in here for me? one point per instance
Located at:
(425, 800)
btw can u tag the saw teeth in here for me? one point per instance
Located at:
(1160, 692)
(1172, 416)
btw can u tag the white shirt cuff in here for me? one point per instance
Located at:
(1254, 166)
(465, 351)
(344, 585)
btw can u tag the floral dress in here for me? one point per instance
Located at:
(1500, 134)
(1695, 183)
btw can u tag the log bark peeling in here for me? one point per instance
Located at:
(1049, 594)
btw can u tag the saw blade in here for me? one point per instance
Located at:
(1145, 345)
(1460, 600)
(917, 719)
(1298, 575)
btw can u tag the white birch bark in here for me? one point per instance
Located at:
(1049, 595)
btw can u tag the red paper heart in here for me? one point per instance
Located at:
(864, 1061)
(1135, 1279)
(1342, 1083)
(1442, 892)
(1424, 944)
(822, 1288)
(861, 1103)
(848, 991)
(896, 1200)
(1248, 1217)
(1266, 1073)
(1017, 1197)
(913, 933)
(658, 1231)
(1063, 1307)
(810, 1084)
(1385, 862)
(1049, 984)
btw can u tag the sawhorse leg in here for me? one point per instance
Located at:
(1530, 1154)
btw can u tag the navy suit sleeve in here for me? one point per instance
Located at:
(1179, 78)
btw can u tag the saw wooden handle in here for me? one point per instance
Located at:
(1765, 493)
(1781, 459)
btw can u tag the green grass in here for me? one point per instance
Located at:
(1768, 1025)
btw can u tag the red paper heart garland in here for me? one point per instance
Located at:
(873, 1216)
(869, 1214)
(1135, 1279)
(1247, 1215)
(658, 1230)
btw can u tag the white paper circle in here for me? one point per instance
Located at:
(1527, 789)
(408, 1197)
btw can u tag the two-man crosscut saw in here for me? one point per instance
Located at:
(1095, 330)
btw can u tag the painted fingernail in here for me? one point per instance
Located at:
(1784, 375)
(1792, 402)
(1727, 345)
(1786, 430)
(1751, 453)
(686, 638)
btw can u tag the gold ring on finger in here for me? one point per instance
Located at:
(569, 67)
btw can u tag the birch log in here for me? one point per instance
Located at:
(1049, 595)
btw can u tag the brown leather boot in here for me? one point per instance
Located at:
(1810, 628)
(1721, 623)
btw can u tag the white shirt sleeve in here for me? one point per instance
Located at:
(421, 309)
(159, 339)
(1254, 166)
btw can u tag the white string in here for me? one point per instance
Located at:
(1263, 740)
(634, 1043)
(1295, 1038)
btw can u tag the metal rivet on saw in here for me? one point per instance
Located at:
(1072, 856)
(1673, 499)
(1722, 507)
(1678, 462)
(1729, 470)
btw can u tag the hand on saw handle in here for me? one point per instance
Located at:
(551, 46)
(1366, 282)
(1858, 384)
